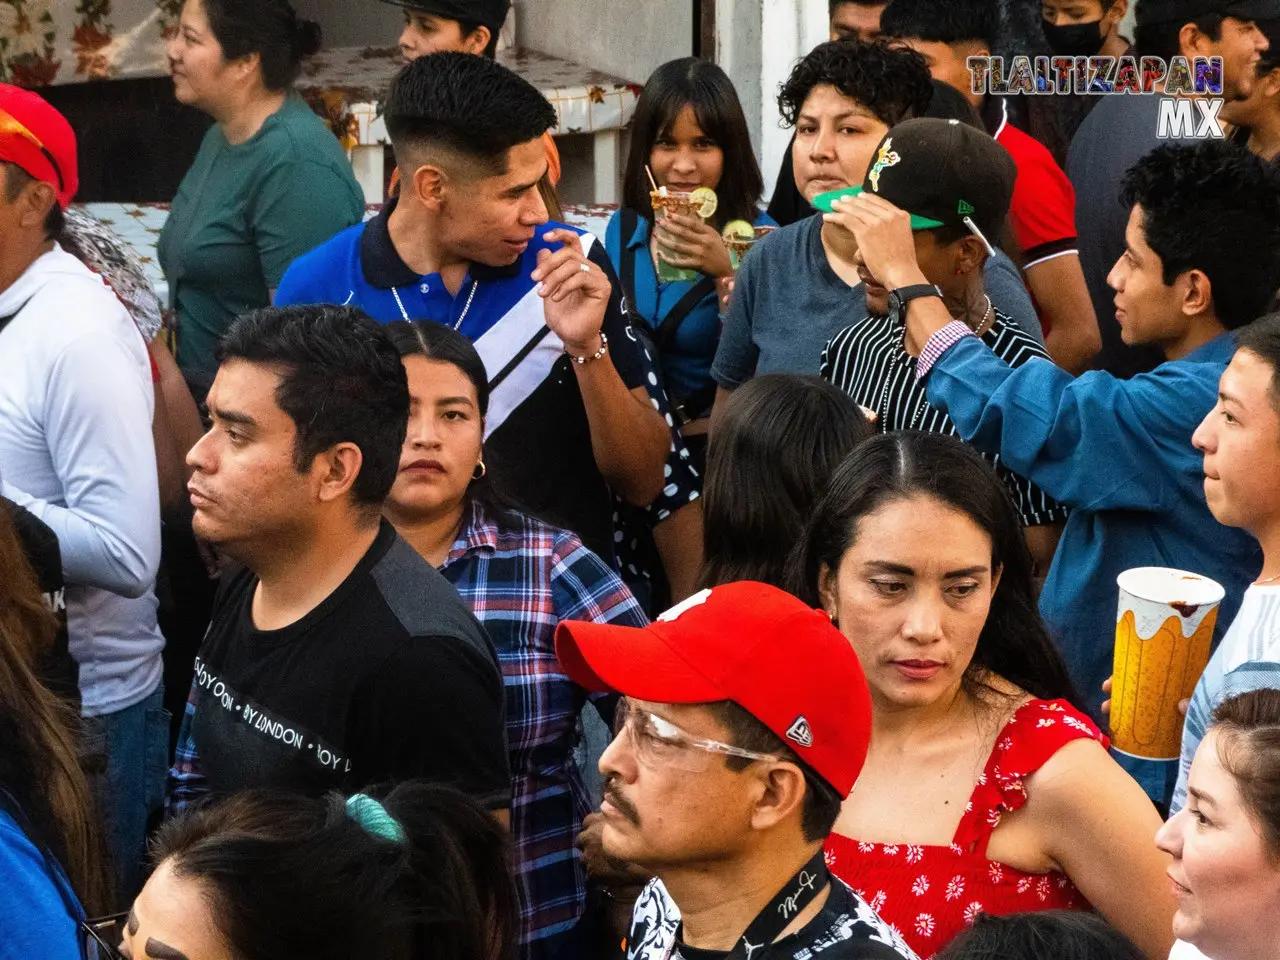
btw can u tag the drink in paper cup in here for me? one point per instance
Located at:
(674, 201)
(1164, 627)
(739, 237)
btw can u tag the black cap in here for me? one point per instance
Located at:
(487, 13)
(941, 171)
(1184, 11)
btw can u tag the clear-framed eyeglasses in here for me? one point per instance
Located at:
(660, 744)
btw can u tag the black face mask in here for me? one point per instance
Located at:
(1075, 39)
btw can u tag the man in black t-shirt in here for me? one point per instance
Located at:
(337, 657)
(744, 723)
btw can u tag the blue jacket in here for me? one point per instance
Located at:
(36, 910)
(1119, 454)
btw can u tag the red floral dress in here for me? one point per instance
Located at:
(930, 893)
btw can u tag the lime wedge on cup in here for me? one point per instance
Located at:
(738, 230)
(705, 200)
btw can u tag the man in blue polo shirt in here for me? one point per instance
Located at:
(1202, 257)
(467, 243)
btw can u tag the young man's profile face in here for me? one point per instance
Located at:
(1147, 309)
(1240, 45)
(492, 219)
(857, 21)
(836, 137)
(1240, 440)
(426, 33)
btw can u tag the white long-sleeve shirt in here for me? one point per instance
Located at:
(76, 449)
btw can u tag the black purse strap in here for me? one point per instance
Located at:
(665, 332)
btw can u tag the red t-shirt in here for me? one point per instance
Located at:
(1043, 211)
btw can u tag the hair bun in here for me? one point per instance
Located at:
(307, 38)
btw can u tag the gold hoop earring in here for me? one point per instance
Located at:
(479, 472)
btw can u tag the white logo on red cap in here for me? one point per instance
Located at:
(800, 733)
(699, 598)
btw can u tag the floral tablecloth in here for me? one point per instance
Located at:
(139, 225)
(45, 42)
(346, 86)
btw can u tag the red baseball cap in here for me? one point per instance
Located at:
(770, 653)
(37, 138)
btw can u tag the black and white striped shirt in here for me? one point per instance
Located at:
(869, 362)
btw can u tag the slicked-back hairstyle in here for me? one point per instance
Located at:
(269, 28)
(892, 82)
(341, 381)
(891, 467)
(470, 106)
(1204, 203)
(943, 21)
(1262, 338)
(834, 5)
(293, 876)
(703, 86)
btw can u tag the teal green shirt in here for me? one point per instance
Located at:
(243, 213)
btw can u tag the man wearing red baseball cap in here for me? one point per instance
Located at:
(76, 407)
(744, 721)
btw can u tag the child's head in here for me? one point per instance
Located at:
(689, 130)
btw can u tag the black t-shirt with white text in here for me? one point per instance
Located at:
(390, 678)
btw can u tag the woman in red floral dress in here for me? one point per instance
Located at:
(985, 789)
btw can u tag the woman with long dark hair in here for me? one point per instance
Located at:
(51, 842)
(689, 131)
(986, 790)
(416, 874)
(778, 439)
(521, 577)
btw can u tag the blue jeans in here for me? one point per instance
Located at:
(127, 753)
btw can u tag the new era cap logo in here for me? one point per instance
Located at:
(800, 733)
(699, 598)
(965, 208)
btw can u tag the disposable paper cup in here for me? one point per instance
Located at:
(1164, 626)
(673, 201)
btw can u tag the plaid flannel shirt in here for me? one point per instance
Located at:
(521, 577)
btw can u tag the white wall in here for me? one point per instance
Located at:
(757, 43)
(627, 38)
(354, 23)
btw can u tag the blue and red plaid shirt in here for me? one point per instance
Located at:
(521, 577)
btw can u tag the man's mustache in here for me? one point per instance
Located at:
(623, 806)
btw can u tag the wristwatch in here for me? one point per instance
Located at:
(898, 299)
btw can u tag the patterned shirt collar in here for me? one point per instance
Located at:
(477, 535)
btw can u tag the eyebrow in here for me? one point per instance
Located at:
(889, 567)
(162, 951)
(132, 922)
(527, 186)
(1228, 398)
(232, 416)
(446, 401)
(1200, 796)
(1128, 248)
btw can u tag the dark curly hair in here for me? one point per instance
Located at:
(891, 82)
(1202, 205)
(943, 21)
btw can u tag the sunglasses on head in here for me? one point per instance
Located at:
(12, 127)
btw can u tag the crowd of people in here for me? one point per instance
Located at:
(444, 582)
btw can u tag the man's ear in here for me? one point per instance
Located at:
(37, 199)
(335, 471)
(1197, 293)
(972, 254)
(1118, 9)
(780, 797)
(430, 184)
